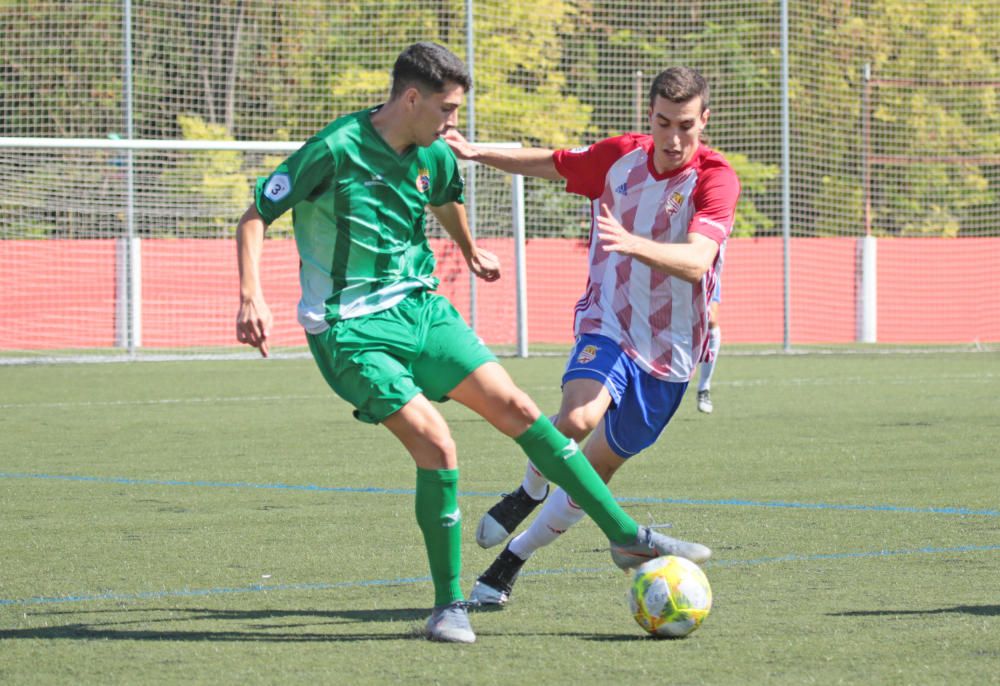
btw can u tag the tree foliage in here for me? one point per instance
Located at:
(558, 73)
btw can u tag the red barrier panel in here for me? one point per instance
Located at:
(938, 290)
(190, 292)
(57, 294)
(61, 293)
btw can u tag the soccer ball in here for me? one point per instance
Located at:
(670, 596)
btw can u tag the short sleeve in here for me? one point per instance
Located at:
(586, 169)
(294, 179)
(450, 186)
(715, 198)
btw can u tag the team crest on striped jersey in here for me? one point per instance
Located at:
(673, 203)
(588, 354)
(424, 180)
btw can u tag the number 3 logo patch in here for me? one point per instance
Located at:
(278, 187)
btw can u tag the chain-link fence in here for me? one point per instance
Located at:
(885, 227)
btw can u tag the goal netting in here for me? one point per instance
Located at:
(131, 246)
(865, 135)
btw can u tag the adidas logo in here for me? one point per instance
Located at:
(622, 189)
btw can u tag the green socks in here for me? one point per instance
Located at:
(441, 523)
(558, 458)
(562, 463)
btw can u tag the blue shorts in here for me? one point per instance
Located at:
(641, 406)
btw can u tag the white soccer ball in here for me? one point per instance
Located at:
(670, 596)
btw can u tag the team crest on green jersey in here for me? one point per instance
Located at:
(423, 180)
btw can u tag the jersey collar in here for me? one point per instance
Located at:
(699, 151)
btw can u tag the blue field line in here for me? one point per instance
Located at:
(274, 588)
(734, 502)
(196, 592)
(816, 506)
(210, 484)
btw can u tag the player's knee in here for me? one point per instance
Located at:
(576, 424)
(439, 450)
(446, 449)
(522, 407)
(515, 413)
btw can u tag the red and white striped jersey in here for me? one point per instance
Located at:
(660, 321)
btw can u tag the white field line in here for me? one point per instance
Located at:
(986, 377)
(163, 401)
(971, 377)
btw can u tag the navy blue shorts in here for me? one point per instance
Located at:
(641, 404)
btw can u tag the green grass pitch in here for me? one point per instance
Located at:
(219, 522)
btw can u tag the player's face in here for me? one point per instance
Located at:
(676, 129)
(435, 113)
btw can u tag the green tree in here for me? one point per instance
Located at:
(925, 115)
(60, 68)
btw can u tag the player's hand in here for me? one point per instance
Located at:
(613, 236)
(485, 265)
(463, 149)
(253, 323)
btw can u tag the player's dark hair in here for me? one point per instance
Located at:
(429, 67)
(679, 84)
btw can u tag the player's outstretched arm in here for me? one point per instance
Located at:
(482, 263)
(688, 261)
(253, 321)
(525, 161)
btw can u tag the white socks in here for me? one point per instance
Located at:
(534, 484)
(558, 514)
(714, 343)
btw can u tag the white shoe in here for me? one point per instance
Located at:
(501, 519)
(450, 624)
(649, 545)
(484, 594)
(494, 586)
(704, 402)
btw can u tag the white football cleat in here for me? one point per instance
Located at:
(705, 402)
(650, 545)
(450, 624)
(501, 519)
(484, 594)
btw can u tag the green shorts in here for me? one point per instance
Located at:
(381, 361)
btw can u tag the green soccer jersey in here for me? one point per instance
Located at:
(358, 208)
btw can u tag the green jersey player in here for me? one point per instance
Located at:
(382, 339)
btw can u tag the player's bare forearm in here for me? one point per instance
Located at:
(538, 162)
(253, 320)
(482, 263)
(453, 218)
(688, 261)
(249, 246)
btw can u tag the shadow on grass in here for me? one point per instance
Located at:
(267, 626)
(979, 610)
(383, 615)
(285, 625)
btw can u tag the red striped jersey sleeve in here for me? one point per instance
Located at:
(586, 169)
(715, 198)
